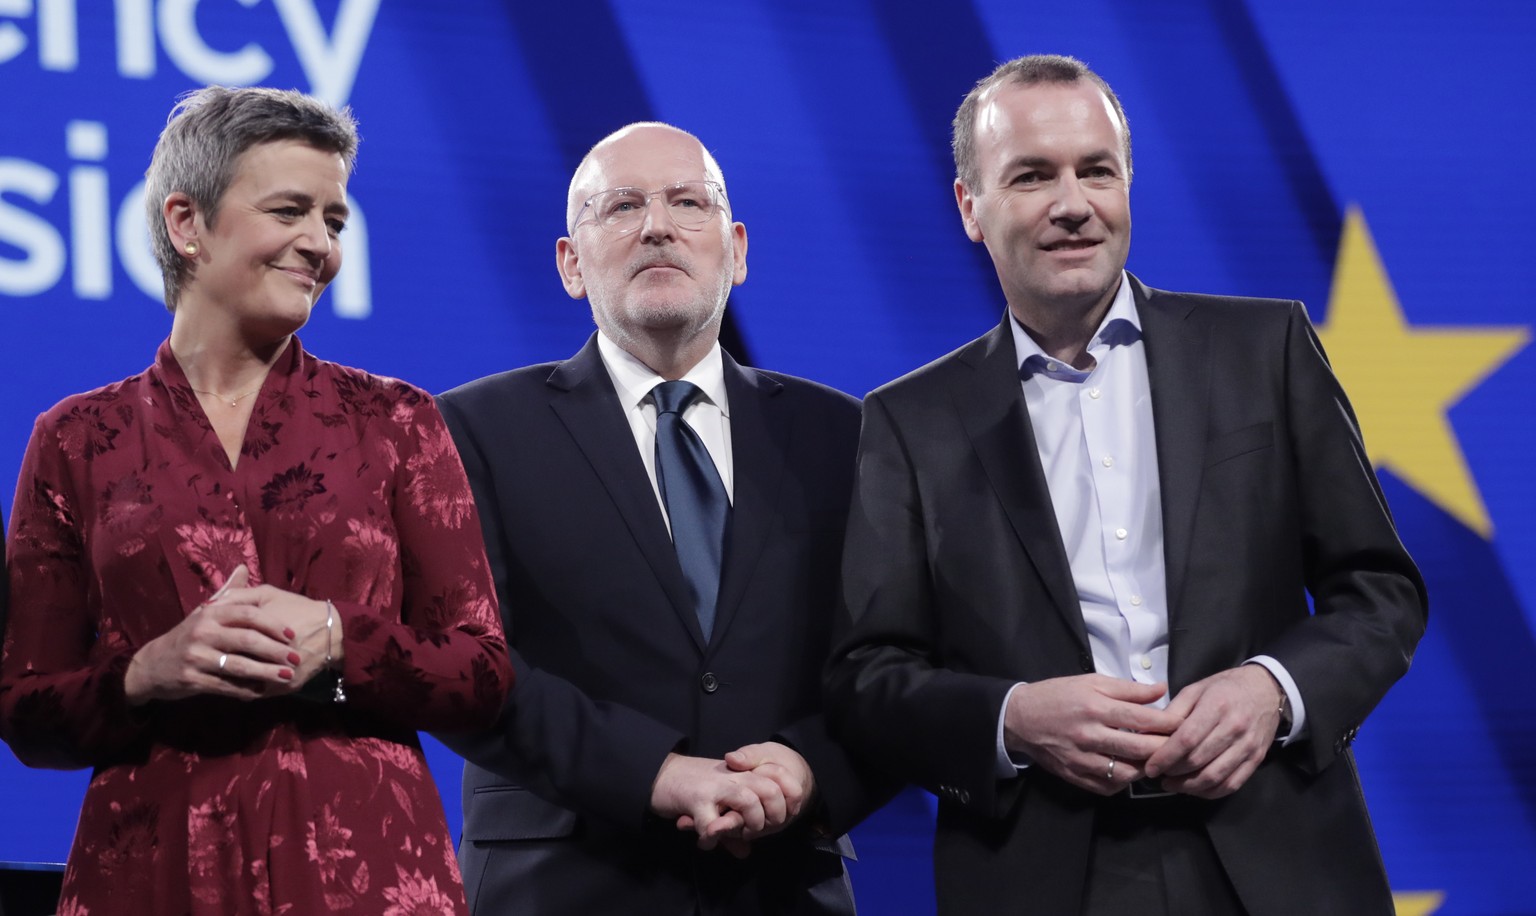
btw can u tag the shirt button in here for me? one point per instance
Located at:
(1146, 662)
(1094, 393)
(709, 682)
(1109, 461)
(1122, 534)
(1135, 601)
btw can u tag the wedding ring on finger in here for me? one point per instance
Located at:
(224, 659)
(1110, 775)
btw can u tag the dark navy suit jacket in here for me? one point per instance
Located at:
(613, 671)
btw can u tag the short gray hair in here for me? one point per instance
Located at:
(203, 140)
(1024, 71)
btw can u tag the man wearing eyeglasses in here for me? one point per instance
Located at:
(665, 528)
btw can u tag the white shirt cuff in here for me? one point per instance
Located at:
(1008, 766)
(1298, 708)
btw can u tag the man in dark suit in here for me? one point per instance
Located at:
(669, 620)
(1079, 557)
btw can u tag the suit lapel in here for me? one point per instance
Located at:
(760, 430)
(582, 396)
(1178, 370)
(995, 417)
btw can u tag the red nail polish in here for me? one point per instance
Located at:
(285, 674)
(295, 658)
(288, 634)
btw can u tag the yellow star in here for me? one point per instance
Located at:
(1417, 903)
(1403, 379)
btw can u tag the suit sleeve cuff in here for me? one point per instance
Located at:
(1298, 708)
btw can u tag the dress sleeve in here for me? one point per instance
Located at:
(62, 703)
(443, 666)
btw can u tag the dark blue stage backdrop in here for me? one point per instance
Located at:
(1372, 157)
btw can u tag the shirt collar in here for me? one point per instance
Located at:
(633, 380)
(1121, 327)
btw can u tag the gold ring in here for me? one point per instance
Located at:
(1109, 775)
(224, 657)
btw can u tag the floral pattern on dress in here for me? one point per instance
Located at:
(394, 666)
(128, 502)
(372, 558)
(54, 506)
(135, 830)
(213, 548)
(328, 845)
(287, 494)
(84, 433)
(260, 436)
(415, 895)
(462, 594)
(211, 852)
(434, 470)
(129, 516)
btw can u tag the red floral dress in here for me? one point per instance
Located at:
(128, 516)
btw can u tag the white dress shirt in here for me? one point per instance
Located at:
(1095, 435)
(709, 416)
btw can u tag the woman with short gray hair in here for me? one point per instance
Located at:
(244, 578)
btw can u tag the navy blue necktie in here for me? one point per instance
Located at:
(695, 498)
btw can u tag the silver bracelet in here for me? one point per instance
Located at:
(340, 696)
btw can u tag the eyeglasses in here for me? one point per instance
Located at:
(690, 204)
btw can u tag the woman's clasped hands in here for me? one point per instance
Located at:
(245, 642)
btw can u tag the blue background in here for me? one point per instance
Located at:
(1255, 124)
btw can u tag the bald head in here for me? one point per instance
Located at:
(606, 164)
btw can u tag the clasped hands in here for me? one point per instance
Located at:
(754, 791)
(1097, 732)
(244, 642)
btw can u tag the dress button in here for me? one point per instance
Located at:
(1094, 393)
(1121, 534)
(709, 682)
(1085, 662)
(1109, 461)
(1146, 662)
(1135, 601)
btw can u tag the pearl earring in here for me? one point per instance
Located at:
(191, 249)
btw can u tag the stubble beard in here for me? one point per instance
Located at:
(643, 322)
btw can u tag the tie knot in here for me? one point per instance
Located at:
(674, 397)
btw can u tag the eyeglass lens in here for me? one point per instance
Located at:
(689, 203)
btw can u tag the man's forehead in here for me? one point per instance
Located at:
(1011, 106)
(1047, 121)
(642, 159)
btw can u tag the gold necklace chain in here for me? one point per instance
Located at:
(233, 401)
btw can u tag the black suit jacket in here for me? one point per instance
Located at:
(957, 586)
(613, 672)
